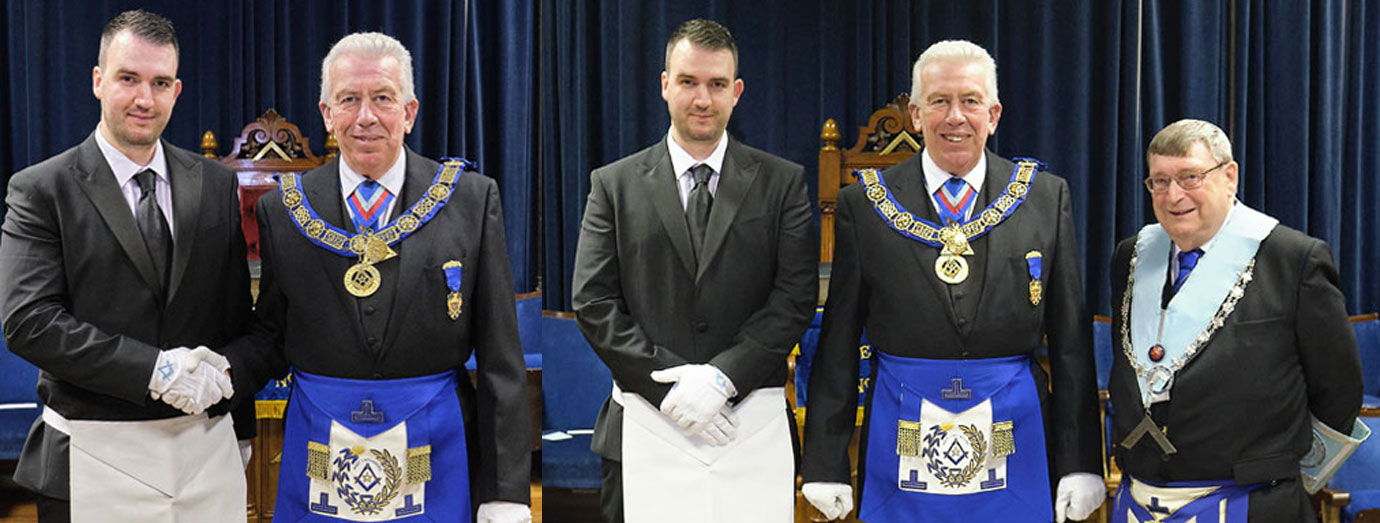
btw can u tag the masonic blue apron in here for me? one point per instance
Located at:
(374, 450)
(955, 440)
(1179, 502)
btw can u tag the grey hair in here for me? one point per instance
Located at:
(1177, 138)
(960, 51)
(372, 45)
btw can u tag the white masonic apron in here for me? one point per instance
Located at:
(170, 470)
(671, 478)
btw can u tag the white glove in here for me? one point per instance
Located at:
(1079, 494)
(834, 500)
(503, 512)
(190, 380)
(721, 428)
(246, 452)
(698, 394)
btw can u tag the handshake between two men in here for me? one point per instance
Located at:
(191, 380)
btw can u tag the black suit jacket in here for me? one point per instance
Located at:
(644, 303)
(79, 298)
(885, 282)
(308, 320)
(1239, 410)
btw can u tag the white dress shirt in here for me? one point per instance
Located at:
(392, 180)
(682, 162)
(125, 169)
(935, 178)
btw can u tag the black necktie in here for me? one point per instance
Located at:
(153, 227)
(697, 206)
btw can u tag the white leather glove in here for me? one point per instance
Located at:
(1079, 494)
(503, 512)
(834, 500)
(698, 394)
(246, 452)
(191, 380)
(721, 428)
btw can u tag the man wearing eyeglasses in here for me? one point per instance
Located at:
(1230, 333)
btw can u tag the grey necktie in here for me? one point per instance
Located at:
(697, 206)
(153, 227)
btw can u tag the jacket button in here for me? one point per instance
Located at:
(702, 327)
(378, 376)
(962, 322)
(369, 310)
(372, 340)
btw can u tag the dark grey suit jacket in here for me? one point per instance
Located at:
(308, 320)
(886, 282)
(79, 295)
(643, 301)
(1240, 409)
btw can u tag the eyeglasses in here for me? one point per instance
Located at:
(1187, 180)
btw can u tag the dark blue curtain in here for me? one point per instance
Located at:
(541, 93)
(474, 63)
(1084, 85)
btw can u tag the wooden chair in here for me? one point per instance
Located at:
(888, 138)
(264, 150)
(1331, 500)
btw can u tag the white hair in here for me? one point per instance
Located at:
(959, 51)
(373, 45)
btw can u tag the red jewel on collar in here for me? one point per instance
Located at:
(1157, 352)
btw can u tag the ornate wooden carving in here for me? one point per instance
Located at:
(264, 150)
(888, 138)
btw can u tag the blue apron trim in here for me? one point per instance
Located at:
(902, 385)
(1207, 508)
(429, 406)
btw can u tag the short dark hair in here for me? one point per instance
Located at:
(704, 34)
(148, 26)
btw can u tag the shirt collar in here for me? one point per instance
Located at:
(681, 161)
(935, 176)
(392, 179)
(125, 168)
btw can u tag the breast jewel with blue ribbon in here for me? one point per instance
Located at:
(952, 238)
(362, 279)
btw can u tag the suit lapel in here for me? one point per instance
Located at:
(411, 254)
(909, 190)
(996, 240)
(735, 180)
(185, 176)
(98, 182)
(660, 182)
(322, 189)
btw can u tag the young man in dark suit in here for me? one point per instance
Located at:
(383, 271)
(122, 261)
(1231, 333)
(695, 275)
(960, 264)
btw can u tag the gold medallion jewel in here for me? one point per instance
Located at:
(876, 193)
(362, 280)
(453, 304)
(315, 228)
(951, 269)
(1036, 292)
(408, 223)
(438, 191)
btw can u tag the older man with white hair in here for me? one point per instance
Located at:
(960, 264)
(1231, 335)
(383, 271)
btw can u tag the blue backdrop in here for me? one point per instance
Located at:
(541, 92)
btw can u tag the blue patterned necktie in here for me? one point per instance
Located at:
(367, 205)
(1187, 261)
(955, 199)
